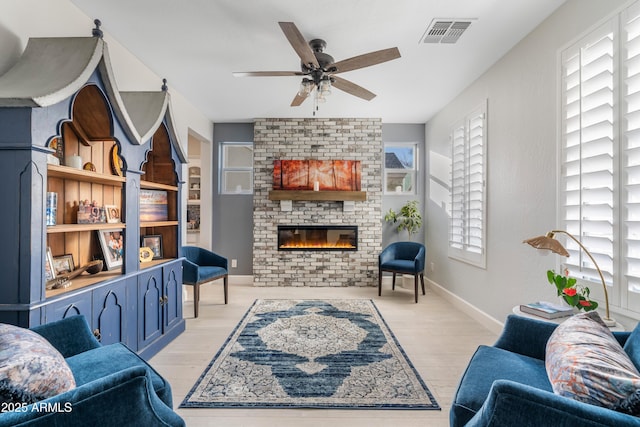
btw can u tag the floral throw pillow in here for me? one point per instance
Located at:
(586, 363)
(31, 369)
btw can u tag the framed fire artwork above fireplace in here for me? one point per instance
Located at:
(318, 175)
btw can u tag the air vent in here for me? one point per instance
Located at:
(445, 30)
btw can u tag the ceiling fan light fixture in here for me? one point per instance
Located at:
(325, 87)
(320, 99)
(306, 86)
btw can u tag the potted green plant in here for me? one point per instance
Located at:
(573, 294)
(408, 218)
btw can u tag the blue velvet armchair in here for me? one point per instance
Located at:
(507, 384)
(200, 266)
(403, 258)
(114, 386)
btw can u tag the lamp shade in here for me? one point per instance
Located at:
(549, 243)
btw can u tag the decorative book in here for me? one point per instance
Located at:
(546, 310)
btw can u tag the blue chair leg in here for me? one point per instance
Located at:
(393, 283)
(415, 285)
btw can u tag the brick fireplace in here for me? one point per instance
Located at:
(317, 139)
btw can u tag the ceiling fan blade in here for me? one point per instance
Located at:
(299, 44)
(267, 73)
(367, 60)
(298, 100)
(352, 88)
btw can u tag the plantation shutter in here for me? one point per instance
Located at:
(468, 190)
(588, 160)
(458, 203)
(631, 153)
(476, 183)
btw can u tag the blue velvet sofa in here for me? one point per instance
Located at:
(507, 384)
(114, 386)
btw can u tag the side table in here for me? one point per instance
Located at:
(516, 310)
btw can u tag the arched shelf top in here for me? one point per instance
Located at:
(146, 109)
(53, 69)
(68, 61)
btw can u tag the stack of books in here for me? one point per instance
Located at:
(546, 310)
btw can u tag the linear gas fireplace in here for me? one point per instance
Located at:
(317, 238)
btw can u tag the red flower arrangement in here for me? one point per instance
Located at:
(573, 294)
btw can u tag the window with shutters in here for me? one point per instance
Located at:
(600, 157)
(468, 188)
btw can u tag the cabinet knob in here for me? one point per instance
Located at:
(96, 333)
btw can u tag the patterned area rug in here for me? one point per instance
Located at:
(311, 354)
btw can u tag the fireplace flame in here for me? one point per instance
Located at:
(317, 245)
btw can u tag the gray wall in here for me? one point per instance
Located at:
(405, 133)
(232, 222)
(522, 94)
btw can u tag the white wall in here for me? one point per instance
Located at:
(522, 94)
(22, 19)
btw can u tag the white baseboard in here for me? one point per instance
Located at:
(480, 316)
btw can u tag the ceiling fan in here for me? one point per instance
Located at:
(319, 69)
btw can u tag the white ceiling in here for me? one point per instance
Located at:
(197, 44)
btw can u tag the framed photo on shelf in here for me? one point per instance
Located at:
(113, 214)
(112, 244)
(63, 264)
(49, 270)
(153, 242)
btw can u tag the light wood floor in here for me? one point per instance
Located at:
(438, 339)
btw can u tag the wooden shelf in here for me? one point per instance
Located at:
(66, 172)
(158, 223)
(148, 185)
(83, 281)
(306, 195)
(154, 262)
(69, 228)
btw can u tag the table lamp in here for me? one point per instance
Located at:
(548, 242)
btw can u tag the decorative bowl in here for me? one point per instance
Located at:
(94, 267)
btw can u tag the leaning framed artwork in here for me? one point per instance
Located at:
(153, 205)
(49, 270)
(153, 242)
(113, 214)
(112, 244)
(63, 264)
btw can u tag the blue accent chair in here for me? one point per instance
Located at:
(403, 258)
(200, 266)
(114, 386)
(507, 384)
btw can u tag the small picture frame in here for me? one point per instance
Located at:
(112, 244)
(153, 242)
(63, 264)
(49, 270)
(113, 214)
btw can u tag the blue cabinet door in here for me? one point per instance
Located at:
(109, 313)
(150, 303)
(77, 304)
(172, 275)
